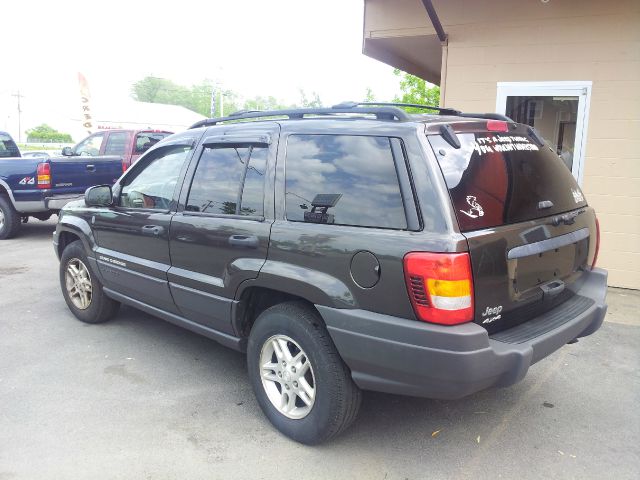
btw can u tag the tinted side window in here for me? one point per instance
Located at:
(152, 186)
(116, 143)
(344, 180)
(218, 182)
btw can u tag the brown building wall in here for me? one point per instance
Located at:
(491, 41)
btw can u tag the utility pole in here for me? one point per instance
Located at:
(18, 96)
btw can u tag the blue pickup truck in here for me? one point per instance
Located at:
(39, 188)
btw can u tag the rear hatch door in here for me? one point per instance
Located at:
(530, 232)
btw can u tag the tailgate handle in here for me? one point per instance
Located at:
(553, 288)
(91, 168)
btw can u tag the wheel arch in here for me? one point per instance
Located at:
(72, 228)
(255, 299)
(5, 190)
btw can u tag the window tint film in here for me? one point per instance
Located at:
(218, 182)
(153, 185)
(344, 180)
(498, 179)
(116, 143)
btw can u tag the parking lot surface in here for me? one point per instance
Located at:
(138, 398)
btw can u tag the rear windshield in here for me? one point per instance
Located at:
(499, 179)
(146, 140)
(7, 147)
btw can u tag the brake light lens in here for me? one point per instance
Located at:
(43, 173)
(595, 256)
(497, 126)
(440, 286)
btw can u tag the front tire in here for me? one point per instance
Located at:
(81, 289)
(301, 383)
(9, 219)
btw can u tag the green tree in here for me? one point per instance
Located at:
(416, 90)
(196, 97)
(46, 134)
(313, 102)
(369, 96)
(265, 103)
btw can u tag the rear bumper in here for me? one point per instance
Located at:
(408, 357)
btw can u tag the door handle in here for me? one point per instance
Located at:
(91, 168)
(247, 241)
(153, 230)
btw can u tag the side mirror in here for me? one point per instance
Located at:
(67, 152)
(98, 196)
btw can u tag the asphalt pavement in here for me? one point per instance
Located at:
(138, 398)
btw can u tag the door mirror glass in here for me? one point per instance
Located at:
(98, 196)
(67, 151)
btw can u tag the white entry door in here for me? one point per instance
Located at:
(558, 110)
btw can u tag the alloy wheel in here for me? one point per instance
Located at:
(287, 377)
(78, 283)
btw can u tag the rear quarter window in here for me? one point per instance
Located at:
(499, 179)
(343, 180)
(7, 146)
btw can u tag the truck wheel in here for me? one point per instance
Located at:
(301, 383)
(81, 289)
(9, 218)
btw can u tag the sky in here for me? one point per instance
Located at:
(253, 47)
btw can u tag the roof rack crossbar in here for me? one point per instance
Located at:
(381, 113)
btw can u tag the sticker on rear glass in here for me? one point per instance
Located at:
(577, 195)
(476, 209)
(503, 143)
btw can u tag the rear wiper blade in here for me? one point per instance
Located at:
(567, 218)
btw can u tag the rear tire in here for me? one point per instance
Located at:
(81, 288)
(335, 399)
(9, 219)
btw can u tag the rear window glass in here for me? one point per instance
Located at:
(343, 180)
(146, 140)
(7, 147)
(499, 179)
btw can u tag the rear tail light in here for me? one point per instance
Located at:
(497, 126)
(595, 256)
(440, 286)
(44, 175)
(124, 167)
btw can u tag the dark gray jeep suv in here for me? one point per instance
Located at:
(347, 248)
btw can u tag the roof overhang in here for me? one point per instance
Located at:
(419, 55)
(406, 34)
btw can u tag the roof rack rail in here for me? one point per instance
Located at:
(440, 110)
(381, 113)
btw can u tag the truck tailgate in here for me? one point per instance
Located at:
(74, 175)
